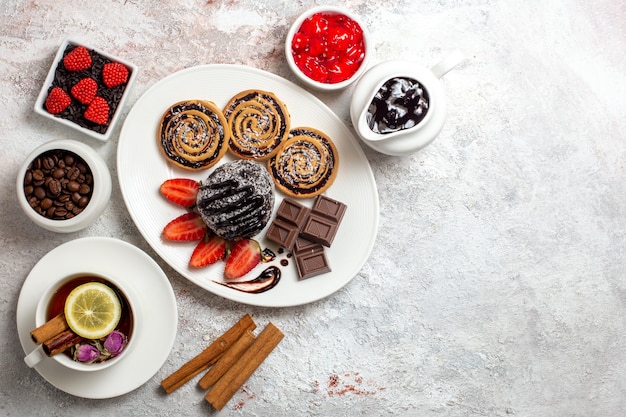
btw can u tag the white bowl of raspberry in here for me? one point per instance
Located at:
(327, 48)
(86, 89)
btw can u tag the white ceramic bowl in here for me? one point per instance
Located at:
(402, 142)
(101, 188)
(134, 308)
(305, 78)
(43, 94)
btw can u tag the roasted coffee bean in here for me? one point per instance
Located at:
(38, 175)
(48, 163)
(46, 203)
(54, 187)
(58, 184)
(72, 174)
(58, 173)
(73, 186)
(40, 193)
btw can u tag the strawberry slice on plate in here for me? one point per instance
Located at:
(187, 227)
(181, 191)
(244, 255)
(210, 250)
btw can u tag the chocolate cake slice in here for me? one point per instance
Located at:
(236, 200)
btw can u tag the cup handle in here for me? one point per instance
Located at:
(34, 357)
(445, 65)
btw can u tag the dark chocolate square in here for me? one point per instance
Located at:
(311, 263)
(292, 211)
(326, 206)
(282, 233)
(302, 244)
(319, 229)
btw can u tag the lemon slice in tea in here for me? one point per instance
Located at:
(92, 310)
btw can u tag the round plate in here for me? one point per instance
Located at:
(155, 339)
(142, 169)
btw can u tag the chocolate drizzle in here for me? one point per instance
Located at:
(265, 281)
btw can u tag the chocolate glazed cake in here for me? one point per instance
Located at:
(236, 200)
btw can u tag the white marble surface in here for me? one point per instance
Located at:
(497, 284)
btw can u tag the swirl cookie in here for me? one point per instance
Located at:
(259, 123)
(193, 134)
(306, 165)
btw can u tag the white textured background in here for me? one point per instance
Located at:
(497, 284)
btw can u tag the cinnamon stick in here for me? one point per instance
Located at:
(226, 360)
(49, 329)
(60, 343)
(208, 356)
(244, 367)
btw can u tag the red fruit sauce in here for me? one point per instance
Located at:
(328, 47)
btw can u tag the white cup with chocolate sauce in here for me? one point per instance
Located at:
(57, 342)
(399, 107)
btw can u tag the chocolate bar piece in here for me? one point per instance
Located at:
(302, 244)
(286, 226)
(292, 211)
(327, 207)
(323, 221)
(311, 263)
(283, 233)
(319, 229)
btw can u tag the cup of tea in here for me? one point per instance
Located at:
(82, 341)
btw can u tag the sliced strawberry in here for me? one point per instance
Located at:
(114, 74)
(78, 59)
(57, 100)
(98, 111)
(244, 255)
(210, 250)
(181, 191)
(85, 90)
(187, 227)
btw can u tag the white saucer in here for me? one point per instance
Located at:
(155, 339)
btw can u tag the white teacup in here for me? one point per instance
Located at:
(132, 322)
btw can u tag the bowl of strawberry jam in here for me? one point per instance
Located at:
(327, 48)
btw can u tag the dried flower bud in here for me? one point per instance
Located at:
(86, 353)
(115, 343)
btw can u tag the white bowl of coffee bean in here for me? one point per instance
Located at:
(64, 186)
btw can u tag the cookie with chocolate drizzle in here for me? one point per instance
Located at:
(306, 165)
(258, 122)
(193, 134)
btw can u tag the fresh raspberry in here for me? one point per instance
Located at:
(85, 90)
(78, 59)
(114, 74)
(57, 100)
(98, 111)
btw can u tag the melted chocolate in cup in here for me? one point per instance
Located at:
(401, 103)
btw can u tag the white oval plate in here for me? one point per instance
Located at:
(142, 169)
(105, 256)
